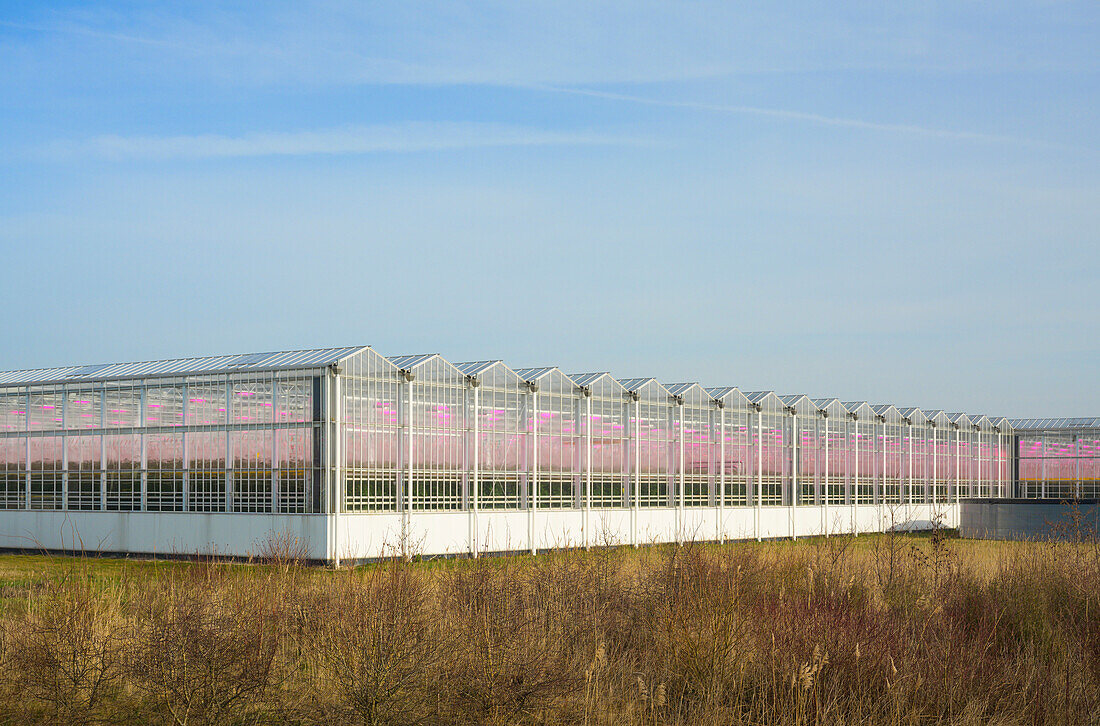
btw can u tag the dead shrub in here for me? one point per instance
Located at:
(381, 644)
(67, 652)
(205, 646)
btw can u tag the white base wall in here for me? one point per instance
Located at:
(364, 536)
(369, 536)
(160, 533)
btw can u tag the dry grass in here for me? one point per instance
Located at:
(884, 629)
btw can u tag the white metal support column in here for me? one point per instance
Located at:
(27, 465)
(721, 533)
(229, 446)
(680, 498)
(533, 476)
(794, 472)
(338, 463)
(276, 504)
(853, 487)
(1077, 464)
(144, 452)
(27, 453)
(102, 447)
(1043, 466)
(587, 393)
(406, 520)
(935, 457)
(958, 463)
(1000, 466)
(978, 449)
(825, 479)
(759, 470)
(634, 471)
(475, 471)
(909, 476)
(185, 484)
(882, 484)
(65, 450)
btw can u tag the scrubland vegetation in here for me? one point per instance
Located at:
(884, 629)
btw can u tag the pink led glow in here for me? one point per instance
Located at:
(82, 402)
(49, 407)
(197, 400)
(221, 409)
(246, 393)
(154, 405)
(151, 418)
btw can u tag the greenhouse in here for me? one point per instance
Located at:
(355, 455)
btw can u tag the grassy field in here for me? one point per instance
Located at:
(881, 629)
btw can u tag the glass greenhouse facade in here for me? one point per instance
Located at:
(345, 432)
(1057, 458)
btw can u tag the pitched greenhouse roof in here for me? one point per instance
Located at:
(677, 389)
(636, 384)
(825, 402)
(1039, 424)
(585, 379)
(288, 359)
(533, 374)
(477, 367)
(860, 409)
(914, 415)
(408, 362)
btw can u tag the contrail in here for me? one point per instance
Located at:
(804, 116)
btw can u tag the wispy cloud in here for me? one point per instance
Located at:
(814, 118)
(78, 29)
(393, 138)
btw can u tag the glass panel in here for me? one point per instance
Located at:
(84, 454)
(295, 454)
(206, 477)
(252, 471)
(253, 402)
(84, 409)
(164, 406)
(294, 400)
(13, 411)
(206, 403)
(123, 459)
(607, 428)
(47, 462)
(45, 410)
(438, 453)
(700, 455)
(164, 475)
(13, 472)
(122, 407)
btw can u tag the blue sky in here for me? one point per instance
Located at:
(889, 201)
